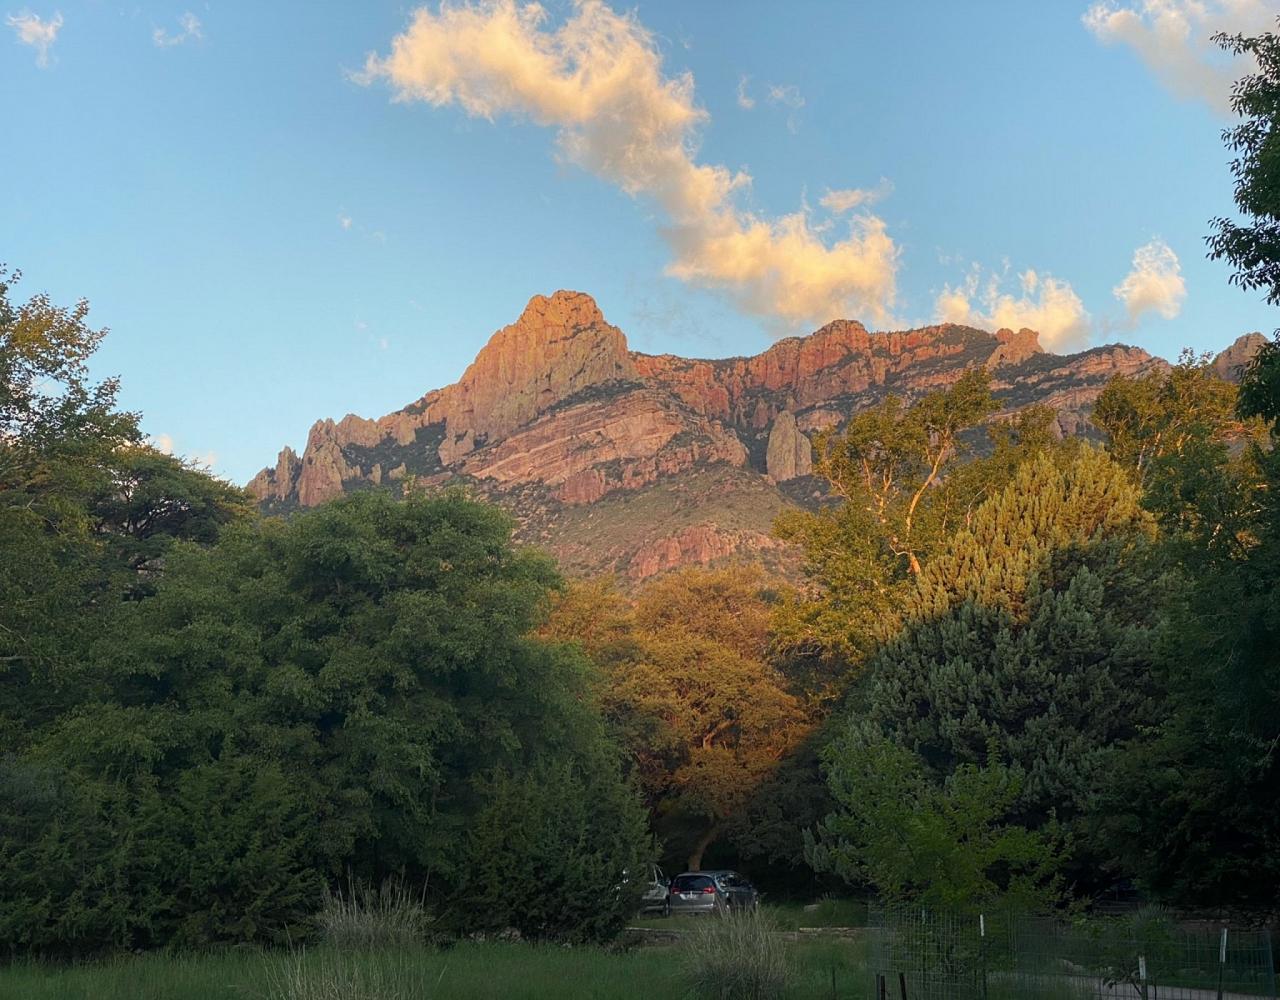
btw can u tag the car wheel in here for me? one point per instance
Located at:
(666, 909)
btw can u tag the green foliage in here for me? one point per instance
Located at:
(894, 469)
(1178, 432)
(1254, 247)
(1033, 635)
(548, 852)
(939, 844)
(1191, 811)
(1024, 661)
(341, 693)
(87, 512)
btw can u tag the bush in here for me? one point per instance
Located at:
(548, 855)
(390, 916)
(739, 957)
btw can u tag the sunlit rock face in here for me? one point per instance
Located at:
(661, 460)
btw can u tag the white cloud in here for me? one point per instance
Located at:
(786, 94)
(745, 100)
(1173, 38)
(164, 444)
(842, 200)
(1154, 285)
(598, 80)
(1046, 304)
(39, 34)
(344, 221)
(192, 30)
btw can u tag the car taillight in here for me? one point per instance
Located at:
(708, 888)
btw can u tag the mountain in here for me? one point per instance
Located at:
(634, 463)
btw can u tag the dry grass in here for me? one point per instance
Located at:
(738, 957)
(364, 917)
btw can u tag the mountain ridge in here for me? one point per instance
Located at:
(556, 415)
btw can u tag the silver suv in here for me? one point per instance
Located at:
(712, 892)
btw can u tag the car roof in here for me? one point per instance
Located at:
(710, 872)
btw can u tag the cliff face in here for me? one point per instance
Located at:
(556, 416)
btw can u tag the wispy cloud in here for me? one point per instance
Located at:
(1155, 283)
(190, 30)
(1173, 38)
(597, 79)
(1042, 303)
(843, 200)
(34, 31)
(745, 100)
(344, 220)
(788, 96)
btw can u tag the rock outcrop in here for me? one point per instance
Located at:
(790, 453)
(556, 414)
(1235, 358)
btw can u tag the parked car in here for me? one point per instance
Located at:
(711, 892)
(696, 892)
(656, 898)
(741, 893)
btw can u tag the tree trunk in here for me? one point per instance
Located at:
(700, 848)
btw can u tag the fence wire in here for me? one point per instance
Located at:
(918, 954)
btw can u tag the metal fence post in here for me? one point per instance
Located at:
(982, 951)
(1222, 961)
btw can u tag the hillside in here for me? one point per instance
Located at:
(633, 463)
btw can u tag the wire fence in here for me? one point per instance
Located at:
(918, 954)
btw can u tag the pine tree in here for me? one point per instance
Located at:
(1027, 643)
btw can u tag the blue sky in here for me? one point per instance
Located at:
(273, 239)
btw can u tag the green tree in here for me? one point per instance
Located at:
(1253, 248)
(1191, 808)
(1178, 432)
(889, 471)
(1027, 644)
(945, 844)
(377, 656)
(86, 510)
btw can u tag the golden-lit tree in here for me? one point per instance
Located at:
(687, 681)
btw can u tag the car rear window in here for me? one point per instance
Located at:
(686, 883)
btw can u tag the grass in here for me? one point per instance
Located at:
(827, 912)
(390, 916)
(469, 971)
(738, 958)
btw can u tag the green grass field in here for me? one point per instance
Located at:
(471, 971)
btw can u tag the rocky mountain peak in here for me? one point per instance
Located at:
(562, 310)
(1229, 363)
(558, 347)
(1014, 348)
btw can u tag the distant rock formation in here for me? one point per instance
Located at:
(556, 414)
(1235, 358)
(790, 453)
